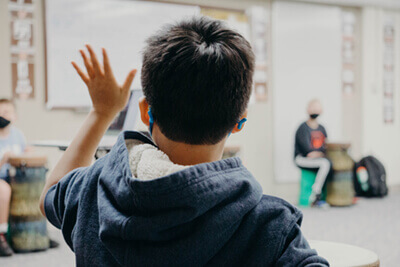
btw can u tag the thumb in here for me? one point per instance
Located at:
(129, 80)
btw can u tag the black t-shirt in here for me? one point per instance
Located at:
(309, 139)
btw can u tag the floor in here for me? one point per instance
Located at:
(60, 257)
(372, 223)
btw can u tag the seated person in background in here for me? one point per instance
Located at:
(12, 142)
(310, 149)
(173, 202)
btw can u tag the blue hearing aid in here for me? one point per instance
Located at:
(240, 125)
(151, 120)
(241, 122)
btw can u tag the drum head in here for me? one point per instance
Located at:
(338, 146)
(28, 161)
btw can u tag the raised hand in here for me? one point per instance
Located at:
(108, 97)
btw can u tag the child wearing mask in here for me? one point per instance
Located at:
(12, 142)
(310, 150)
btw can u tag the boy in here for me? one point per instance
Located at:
(310, 149)
(12, 142)
(177, 203)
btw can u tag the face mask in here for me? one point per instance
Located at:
(3, 122)
(314, 116)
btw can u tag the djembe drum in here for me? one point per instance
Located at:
(27, 226)
(340, 186)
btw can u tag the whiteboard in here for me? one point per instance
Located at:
(306, 45)
(120, 26)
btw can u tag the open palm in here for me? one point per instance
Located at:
(108, 97)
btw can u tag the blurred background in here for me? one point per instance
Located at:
(342, 52)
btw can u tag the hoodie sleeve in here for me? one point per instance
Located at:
(62, 200)
(296, 250)
(303, 141)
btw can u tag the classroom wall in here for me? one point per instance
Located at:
(256, 140)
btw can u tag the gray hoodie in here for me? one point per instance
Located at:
(134, 207)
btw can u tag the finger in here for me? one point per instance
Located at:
(84, 77)
(106, 62)
(129, 80)
(95, 63)
(88, 65)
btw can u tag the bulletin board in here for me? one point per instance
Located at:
(22, 46)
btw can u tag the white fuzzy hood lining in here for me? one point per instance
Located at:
(147, 162)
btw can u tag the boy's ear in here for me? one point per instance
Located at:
(144, 108)
(236, 129)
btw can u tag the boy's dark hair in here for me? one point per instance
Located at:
(197, 77)
(6, 101)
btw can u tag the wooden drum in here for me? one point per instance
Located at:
(340, 186)
(27, 226)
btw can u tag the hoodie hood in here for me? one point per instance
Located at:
(158, 211)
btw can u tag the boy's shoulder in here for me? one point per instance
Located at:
(270, 227)
(15, 132)
(322, 127)
(15, 137)
(276, 213)
(273, 202)
(302, 127)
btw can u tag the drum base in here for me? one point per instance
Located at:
(340, 189)
(27, 226)
(29, 236)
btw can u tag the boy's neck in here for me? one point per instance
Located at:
(186, 154)
(5, 131)
(313, 123)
